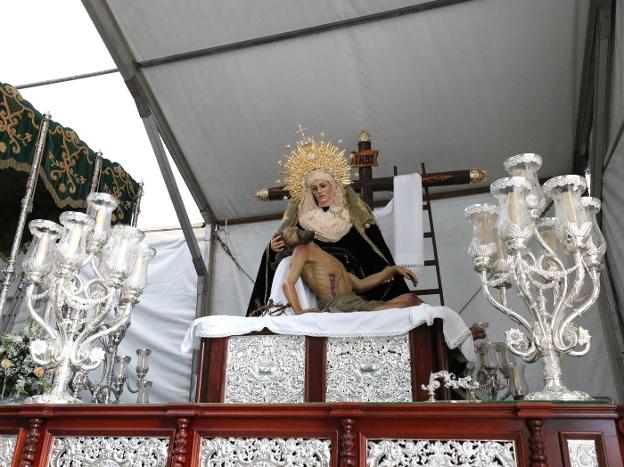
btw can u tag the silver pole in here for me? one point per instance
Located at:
(97, 169)
(27, 201)
(137, 207)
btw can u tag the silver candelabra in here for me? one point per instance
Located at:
(81, 288)
(114, 377)
(553, 263)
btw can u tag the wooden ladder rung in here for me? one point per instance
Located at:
(430, 262)
(426, 291)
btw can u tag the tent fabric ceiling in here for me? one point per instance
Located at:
(455, 87)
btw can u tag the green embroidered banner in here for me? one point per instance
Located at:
(65, 173)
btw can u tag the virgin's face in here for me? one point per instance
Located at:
(322, 191)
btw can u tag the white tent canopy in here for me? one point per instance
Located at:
(458, 86)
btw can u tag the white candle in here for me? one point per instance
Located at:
(74, 240)
(120, 259)
(42, 249)
(512, 208)
(135, 277)
(568, 206)
(100, 218)
(483, 236)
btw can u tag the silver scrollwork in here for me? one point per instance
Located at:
(107, 451)
(368, 369)
(467, 453)
(265, 369)
(264, 452)
(582, 453)
(7, 449)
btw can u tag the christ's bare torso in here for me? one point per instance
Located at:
(323, 273)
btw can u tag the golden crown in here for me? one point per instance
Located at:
(312, 154)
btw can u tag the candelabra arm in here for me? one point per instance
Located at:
(580, 310)
(578, 280)
(35, 315)
(521, 278)
(94, 268)
(503, 296)
(120, 322)
(499, 306)
(95, 323)
(133, 391)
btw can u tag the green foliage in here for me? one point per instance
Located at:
(19, 374)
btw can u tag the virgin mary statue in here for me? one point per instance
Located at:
(317, 176)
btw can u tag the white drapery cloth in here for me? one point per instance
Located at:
(393, 322)
(401, 221)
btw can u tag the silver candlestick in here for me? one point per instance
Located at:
(113, 379)
(82, 288)
(553, 264)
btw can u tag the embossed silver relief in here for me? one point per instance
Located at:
(108, 451)
(265, 369)
(582, 453)
(427, 452)
(368, 369)
(7, 449)
(263, 452)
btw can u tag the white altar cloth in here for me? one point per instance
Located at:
(393, 322)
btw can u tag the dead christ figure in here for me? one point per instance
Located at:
(335, 288)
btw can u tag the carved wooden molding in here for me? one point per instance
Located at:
(27, 458)
(347, 443)
(536, 443)
(180, 443)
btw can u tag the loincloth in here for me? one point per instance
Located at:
(348, 302)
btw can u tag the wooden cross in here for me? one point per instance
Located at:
(365, 159)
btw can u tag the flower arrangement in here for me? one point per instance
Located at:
(19, 374)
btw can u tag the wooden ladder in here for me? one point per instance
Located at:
(431, 234)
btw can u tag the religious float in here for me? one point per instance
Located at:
(363, 389)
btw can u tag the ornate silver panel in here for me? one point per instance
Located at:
(263, 452)
(582, 453)
(265, 369)
(7, 449)
(368, 369)
(108, 451)
(429, 452)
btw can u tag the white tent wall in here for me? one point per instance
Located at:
(612, 189)
(160, 320)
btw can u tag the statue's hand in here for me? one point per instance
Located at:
(277, 244)
(408, 274)
(478, 332)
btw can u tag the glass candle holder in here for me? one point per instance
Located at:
(120, 367)
(40, 256)
(483, 218)
(526, 165)
(71, 248)
(137, 279)
(515, 225)
(483, 245)
(142, 366)
(143, 392)
(572, 223)
(120, 253)
(100, 207)
(597, 245)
